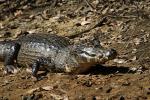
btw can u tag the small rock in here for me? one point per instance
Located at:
(120, 61)
(49, 30)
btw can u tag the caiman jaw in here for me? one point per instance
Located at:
(96, 55)
(111, 54)
(89, 57)
(108, 55)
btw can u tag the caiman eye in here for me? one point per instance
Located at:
(91, 54)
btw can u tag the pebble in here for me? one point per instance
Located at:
(120, 61)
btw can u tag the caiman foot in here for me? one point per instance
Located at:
(39, 78)
(39, 63)
(10, 69)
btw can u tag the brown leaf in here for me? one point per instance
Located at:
(47, 88)
(32, 90)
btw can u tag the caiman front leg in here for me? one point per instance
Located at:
(9, 67)
(10, 58)
(41, 63)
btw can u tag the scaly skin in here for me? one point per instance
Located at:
(53, 53)
(40, 45)
(8, 53)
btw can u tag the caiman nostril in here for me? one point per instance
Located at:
(111, 54)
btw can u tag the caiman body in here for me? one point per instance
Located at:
(44, 47)
(53, 53)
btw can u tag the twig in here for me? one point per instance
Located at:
(99, 23)
(91, 6)
(55, 3)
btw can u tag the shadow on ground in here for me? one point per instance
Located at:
(106, 70)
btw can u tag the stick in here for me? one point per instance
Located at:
(91, 6)
(99, 23)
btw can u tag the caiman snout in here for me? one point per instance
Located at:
(110, 54)
(96, 55)
(89, 56)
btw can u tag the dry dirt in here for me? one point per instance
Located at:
(126, 29)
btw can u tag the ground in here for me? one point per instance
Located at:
(126, 29)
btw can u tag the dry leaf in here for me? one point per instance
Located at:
(32, 90)
(85, 23)
(57, 97)
(137, 41)
(18, 13)
(32, 31)
(29, 70)
(134, 58)
(47, 88)
(1, 26)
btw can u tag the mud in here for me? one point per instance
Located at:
(126, 29)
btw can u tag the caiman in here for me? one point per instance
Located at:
(52, 53)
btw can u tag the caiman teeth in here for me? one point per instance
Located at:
(67, 69)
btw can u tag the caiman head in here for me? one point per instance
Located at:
(87, 56)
